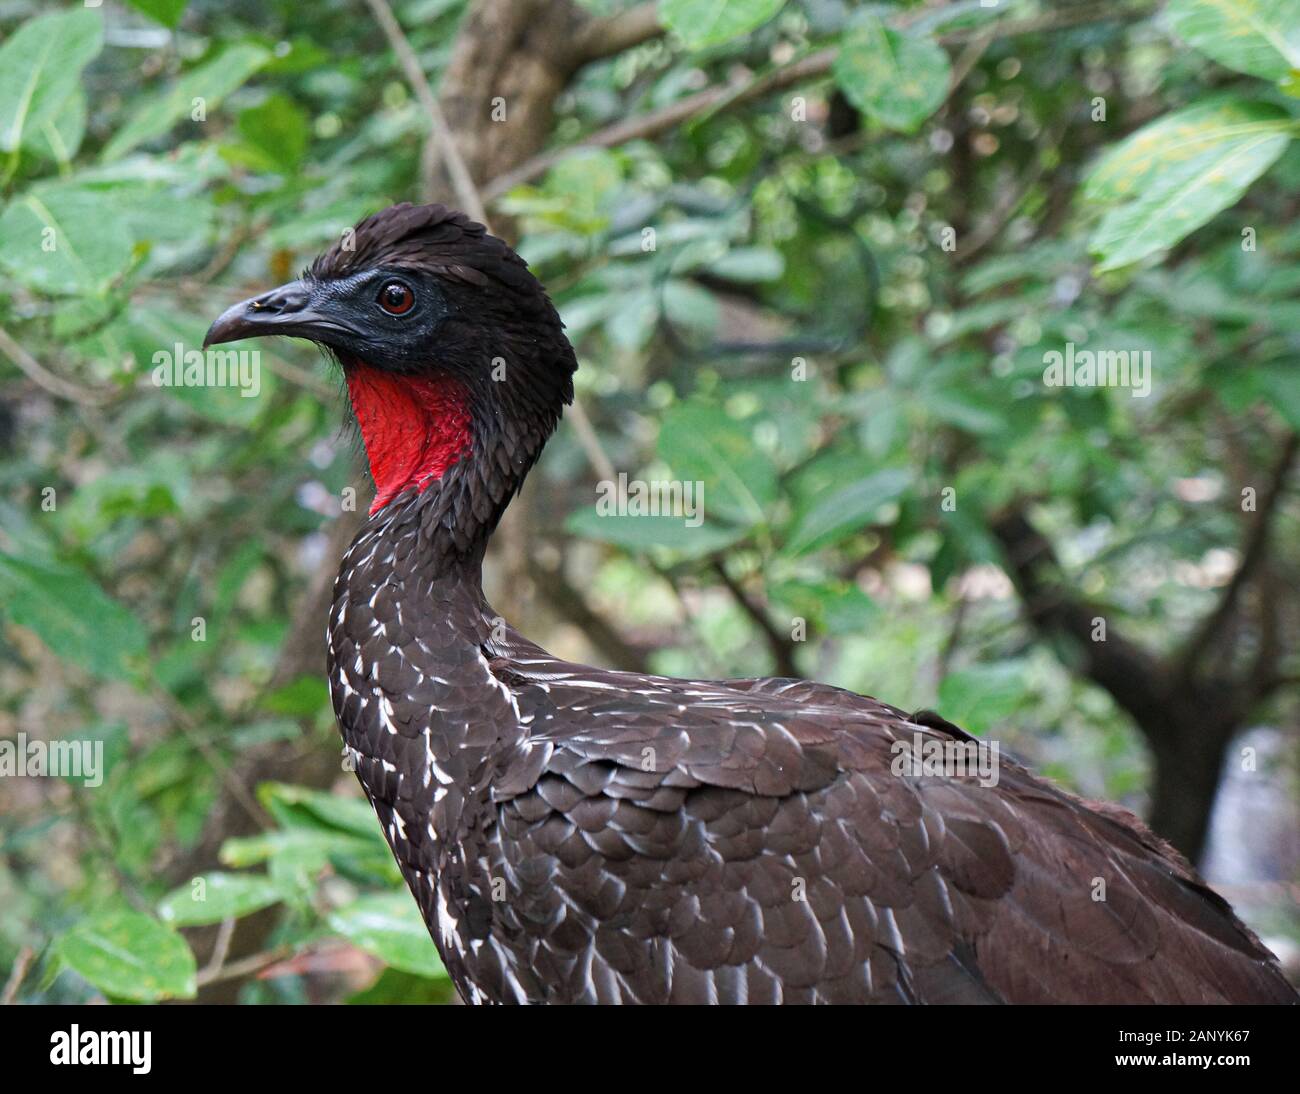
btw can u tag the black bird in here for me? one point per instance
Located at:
(577, 835)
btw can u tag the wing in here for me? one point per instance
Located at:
(750, 841)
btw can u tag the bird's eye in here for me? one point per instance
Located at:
(396, 298)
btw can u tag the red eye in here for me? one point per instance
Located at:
(396, 298)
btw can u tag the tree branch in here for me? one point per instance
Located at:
(467, 195)
(1136, 680)
(1008, 202)
(42, 376)
(781, 647)
(573, 607)
(590, 441)
(21, 964)
(812, 65)
(612, 34)
(230, 779)
(666, 118)
(246, 966)
(1253, 554)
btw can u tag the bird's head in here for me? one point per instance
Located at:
(451, 349)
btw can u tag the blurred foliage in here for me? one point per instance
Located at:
(830, 305)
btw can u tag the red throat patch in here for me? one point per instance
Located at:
(414, 427)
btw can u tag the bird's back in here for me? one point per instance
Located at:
(754, 841)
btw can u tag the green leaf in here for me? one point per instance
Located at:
(687, 305)
(301, 852)
(582, 186)
(1192, 139)
(632, 319)
(968, 409)
(1183, 196)
(218, 896)
(842, 513)
(242, 851)
(388, 925)
(840, 607)
(316, 226)
(1279, 385)
(896, 78)
(703, 444)
(299, 698)
(263, 731)
(354, 815)
(72, 615)
(40, 66)
(210, 82)
(63, 239)
(166, 12)
(276, 133)
(977, 698)
(148, 489)
(749, 265)
(703, 23)
(58, 138)
(395, 987)
(1258, 37)
(130, 955)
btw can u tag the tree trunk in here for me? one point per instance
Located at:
(1188, 756)
(1186, 712)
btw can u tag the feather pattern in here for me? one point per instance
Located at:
(577, 835)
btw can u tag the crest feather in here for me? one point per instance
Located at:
(423, 237)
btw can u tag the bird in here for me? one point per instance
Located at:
(579, 835)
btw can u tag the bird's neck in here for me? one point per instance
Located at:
(414, 427)
(447, 452)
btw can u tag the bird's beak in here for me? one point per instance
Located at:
(286, 310)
